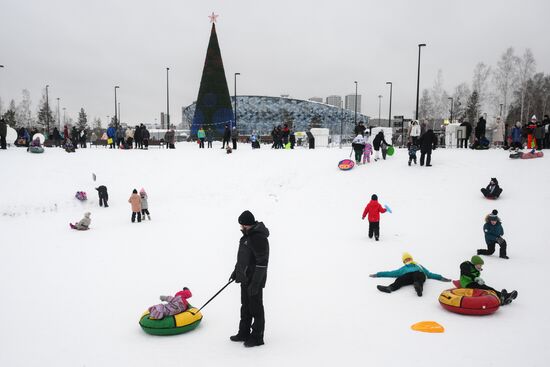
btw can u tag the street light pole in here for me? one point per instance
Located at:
(47, 112)
(64, 117)
(391, 90)
(167, 101)
(500, 113)
(379, 109)
(418, 79)
(235, 94)
(116, 114)
(119, 112)
(355, 119)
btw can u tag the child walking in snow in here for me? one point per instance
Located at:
(144, 204)
(367, 152)
(103, 195)
(358, 145)
(135, 200)
(84, 223)
(373, 210)
(493, 234)
(470, 272)
(410, 273)
(174, 305)
(413, 148)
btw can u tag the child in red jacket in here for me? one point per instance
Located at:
(373, 210)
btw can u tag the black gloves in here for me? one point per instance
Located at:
(232, 276)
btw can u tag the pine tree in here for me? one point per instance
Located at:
(9, 115)
(45, 115)
(213, 109)
(82, 120)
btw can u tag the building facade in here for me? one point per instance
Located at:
(350, 102)
(262, 113)
(335, 101)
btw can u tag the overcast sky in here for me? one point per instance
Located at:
(82, 49)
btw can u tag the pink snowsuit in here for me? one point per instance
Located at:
(367, 152)
(174, 305)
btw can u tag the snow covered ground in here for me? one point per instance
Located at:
(74, 298)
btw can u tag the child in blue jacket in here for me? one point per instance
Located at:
(493, 234)
(410, 273)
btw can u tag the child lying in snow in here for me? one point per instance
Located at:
(174, 305)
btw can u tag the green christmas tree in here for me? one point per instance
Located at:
(213, 108)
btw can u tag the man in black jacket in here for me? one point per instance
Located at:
(3, 133)
(427, 142)
(251, 272)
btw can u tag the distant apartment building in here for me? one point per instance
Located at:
(350, 102)
(316, 99)
(335, 101)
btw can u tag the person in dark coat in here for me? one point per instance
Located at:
(378, 142)
(466, 139)
(226, 136)
(427, 141)
(480, 128)
(83, 137)
(285, 134)
(359, 129)
(75, 137)
(546, 123)
(103, 195)
(251, 273)
(137, 137)
(493, 235)
(56, 137)
(292, 139)
(493, 190)
(3, 133)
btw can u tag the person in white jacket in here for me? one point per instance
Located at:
(498, 132)
(414, 132)
(358, 145)
(84, 223)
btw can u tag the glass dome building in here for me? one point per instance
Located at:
(261, 113)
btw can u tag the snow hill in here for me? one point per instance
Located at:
(74, 298)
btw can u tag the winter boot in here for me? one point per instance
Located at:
(418, 288)
(254, 341)
(376, 238)
(383, 288)
(504, 257)
(239, 337)
(148, 217)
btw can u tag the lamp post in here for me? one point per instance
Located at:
(167, 101)
(235, 94)
(500, 113)
(418, 79)
(451, 99)
(119, 113)
(47, 112)
(355, 118)
(64, 117)
(58, 113)
(116, 114)
(391, 90)
(379, 109)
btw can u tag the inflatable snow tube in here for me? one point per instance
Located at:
(36, 150)
(390, 151)
(346, 164)
(171, 325)
(532, 155)
(467, 301)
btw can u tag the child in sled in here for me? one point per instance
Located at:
(174, 305)
(144, 204)
(493, 190)
(81, 195)
(84, 223)
(410, 273)
(470, 272)
(493, 234)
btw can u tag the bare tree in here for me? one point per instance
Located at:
(425, 108)
(482, 73)
(460, 101)
(526, 69)
(24, 115)
(505, 76)
(439, 99)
